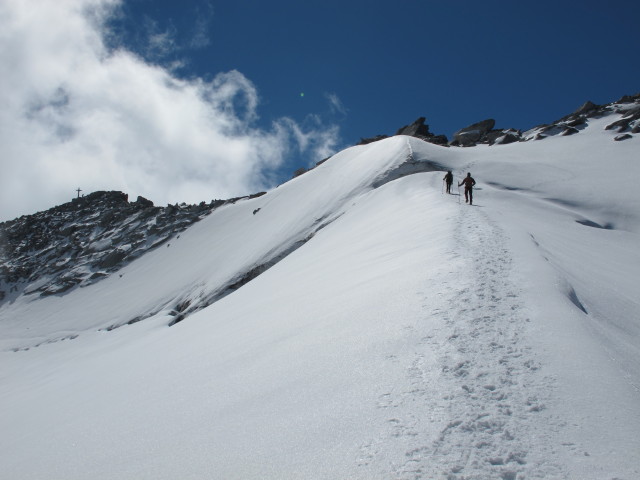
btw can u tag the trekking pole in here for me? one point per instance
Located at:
(458, 194)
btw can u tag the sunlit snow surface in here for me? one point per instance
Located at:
(401, 334)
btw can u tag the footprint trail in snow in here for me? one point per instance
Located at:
(475, 408)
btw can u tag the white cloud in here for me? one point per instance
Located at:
(336, 104)
(75, 114)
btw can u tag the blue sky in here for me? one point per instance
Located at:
(202, 99)
(522, 63)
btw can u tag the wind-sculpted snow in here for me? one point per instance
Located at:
(229, 247)
(356, 322)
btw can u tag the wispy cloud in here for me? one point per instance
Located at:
(158, 42)
(76, 113)
(313, 137)
(336, 104)
(200, 37)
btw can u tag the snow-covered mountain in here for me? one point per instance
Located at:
(355, 322)
(83, 241)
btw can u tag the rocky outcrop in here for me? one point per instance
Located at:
(416, 129)
(420, 130)
(586, 108)
(143, 202)
(503, 137)
(622, 137)
(473, 134)
(484, 132)
(82, 241)
(629, 122)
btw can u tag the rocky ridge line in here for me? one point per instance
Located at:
(80, 242)
(484, 132)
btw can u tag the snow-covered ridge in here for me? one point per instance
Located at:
(83, 241)
(90, 239)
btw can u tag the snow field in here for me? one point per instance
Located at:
(233, 384)
(403, 336)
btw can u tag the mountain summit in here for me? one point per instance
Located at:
(355, 322)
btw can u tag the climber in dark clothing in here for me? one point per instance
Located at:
(448, 179)
(468, 183)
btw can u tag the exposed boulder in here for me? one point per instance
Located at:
(510, 138)
(113, 258)
(502, 137)
(416, 129)
(586, 108)
(577, 122)
(438, 139)
(629, 121)
(621, 125)
(627, 99)
(420, 130)
(493, 136)
(570, 131)
(473, 134)
(143, 202)
(624, 136)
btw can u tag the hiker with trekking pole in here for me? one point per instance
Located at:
(468, 183)
(448, 179)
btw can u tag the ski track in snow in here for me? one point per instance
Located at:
(474, 382)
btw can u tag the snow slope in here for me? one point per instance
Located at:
(397, 334)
